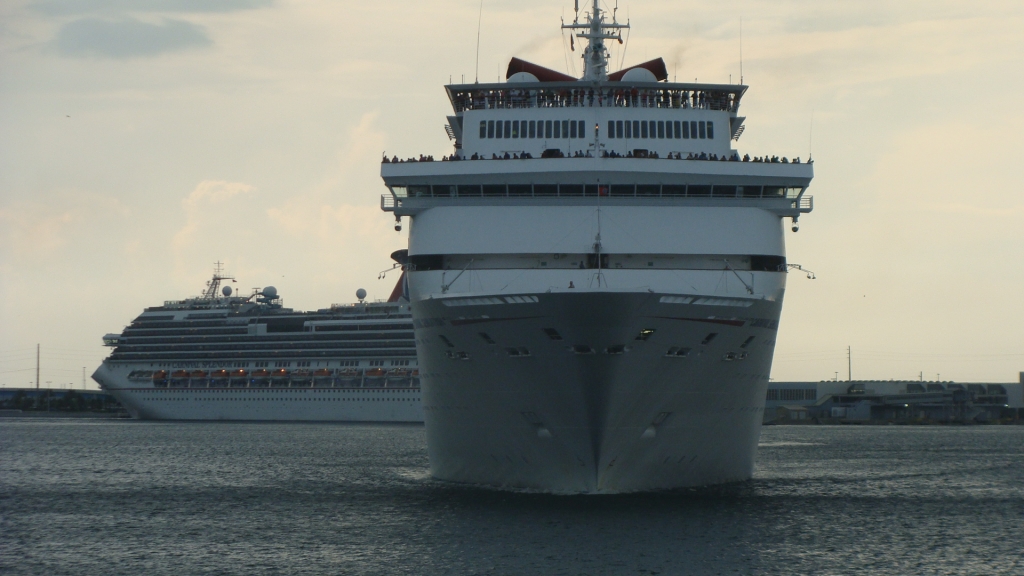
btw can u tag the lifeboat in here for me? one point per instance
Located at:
(302, 379)
(179, 379)
(375, 377)
(323, 378)
(279, 378)
(160, 379)
(198, 379)
(239, 378)
(219, 379)
(349, 377)
(260, 378)
(220, 374)
(398, 378)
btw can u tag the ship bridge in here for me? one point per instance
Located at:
(777, 187)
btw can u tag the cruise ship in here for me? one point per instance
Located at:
(221, 356)
(596, 277)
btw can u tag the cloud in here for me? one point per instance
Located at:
(75, 7)
(207, 198)
(127, 37)
(34, 231)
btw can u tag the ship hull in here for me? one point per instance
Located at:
(635, 395)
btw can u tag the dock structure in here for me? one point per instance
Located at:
(68, 401)
(899, 401)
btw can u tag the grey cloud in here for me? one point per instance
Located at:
(78, 7)
(127, 37)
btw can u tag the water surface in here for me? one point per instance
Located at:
(126, 497)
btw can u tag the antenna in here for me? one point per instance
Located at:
(810, 139)
(479, 21)
(741, 50)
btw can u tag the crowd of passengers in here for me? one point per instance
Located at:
(621, 98)
(604, 154)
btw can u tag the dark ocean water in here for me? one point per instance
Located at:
(95, 497)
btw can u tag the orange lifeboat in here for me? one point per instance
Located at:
(239, 373)
(322, 372)
(198, 374)
(160, 375)
(180, 374)
(376, 373)
(280, 373)
(261, 373)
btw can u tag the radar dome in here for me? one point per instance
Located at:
(639, 75)
(226, 290)
(522, 77)
(270, 292)
(361, 294)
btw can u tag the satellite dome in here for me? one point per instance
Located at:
(361, 294)
(270, 292)
(639, 75)
(522, 77)
(226, 290)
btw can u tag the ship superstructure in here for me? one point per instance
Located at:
(225, 357)
(596, 278)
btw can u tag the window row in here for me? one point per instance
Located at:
(532, 129)
(568, 190)
(783, 394)
(678, 130)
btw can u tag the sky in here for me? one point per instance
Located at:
(141, 141)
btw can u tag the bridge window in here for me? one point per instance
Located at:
(558, 129)
(490, 128)
(498, 132)
(711, 131)
(686, 130)
(618, 128)
(572, 129)
(693, 129)
(702, 130)
(483, 129)
(533, 129)
(582, 128)
(636, 128)
(643, 129)
(676, 129)
(547, 129)
(611, 129)
(565, 128)
(661, 130)
(515, 128)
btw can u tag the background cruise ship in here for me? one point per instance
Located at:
(225, 357)
(596, 277)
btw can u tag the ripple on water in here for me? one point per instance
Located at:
(172, 498)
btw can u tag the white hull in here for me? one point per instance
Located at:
(561, 421)
(145, 402)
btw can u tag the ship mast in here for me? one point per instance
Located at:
(595, 56)
(213, 285)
